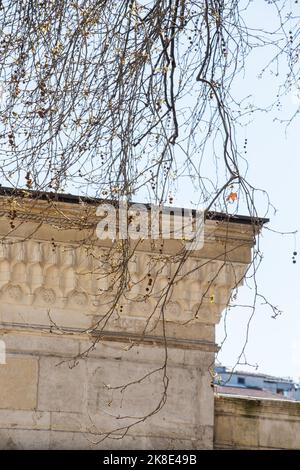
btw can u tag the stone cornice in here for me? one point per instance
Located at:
(49, 271)
(107, 335)
(55, 209)
(70, 199)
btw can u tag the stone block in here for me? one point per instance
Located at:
(18, 379)
(61, 388)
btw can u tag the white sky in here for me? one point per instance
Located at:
(274, 165)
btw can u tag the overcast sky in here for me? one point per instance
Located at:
(274, 164)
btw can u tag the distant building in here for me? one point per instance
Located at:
(255, 384)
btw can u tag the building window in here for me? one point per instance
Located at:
(241, 380)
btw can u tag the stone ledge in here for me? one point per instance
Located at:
(199, 337)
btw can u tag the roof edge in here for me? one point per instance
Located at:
(73, 199)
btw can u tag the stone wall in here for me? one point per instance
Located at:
(252, 423)
(46, 404)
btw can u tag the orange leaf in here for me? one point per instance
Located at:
(232, 197)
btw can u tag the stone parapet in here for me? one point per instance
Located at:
(252, 423)
(58, 299)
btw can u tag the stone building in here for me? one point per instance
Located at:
(243, 381)
(50, 303)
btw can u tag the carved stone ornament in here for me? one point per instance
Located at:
(48, 296)
(79, 298)
(14, 292)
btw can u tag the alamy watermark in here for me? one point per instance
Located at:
(140, 222)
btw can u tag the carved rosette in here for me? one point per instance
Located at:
(14, 292)
(80, 299)
(48, 296)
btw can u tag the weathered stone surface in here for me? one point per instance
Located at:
(21, 419)
(44, 345)
(107, 404)
(18, 379)
(76, 440)
(61, 388)
(72, 422)
(24, 439)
